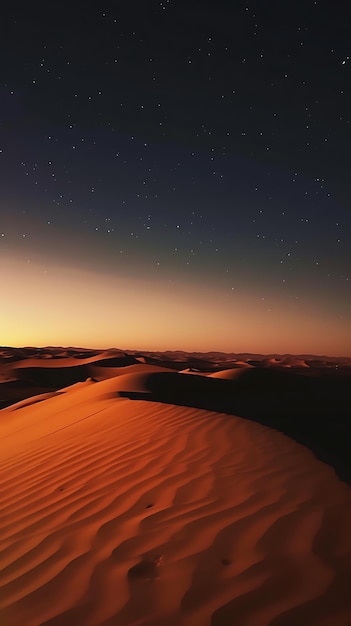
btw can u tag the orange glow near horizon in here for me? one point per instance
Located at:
(58, 305)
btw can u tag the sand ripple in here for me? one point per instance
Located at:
(121, 512)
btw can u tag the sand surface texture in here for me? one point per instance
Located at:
(117, 509)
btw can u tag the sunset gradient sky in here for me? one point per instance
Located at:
(174, 176)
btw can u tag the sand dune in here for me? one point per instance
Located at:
(229, 374)
(121, 510)
(25, 372)
(101, 373)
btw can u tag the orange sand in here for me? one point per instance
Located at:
(133, 512)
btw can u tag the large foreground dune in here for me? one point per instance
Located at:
(128, 497)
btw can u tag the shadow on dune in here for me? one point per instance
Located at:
(312, 409)
(17, 390)
(54, 377)
(36, 380)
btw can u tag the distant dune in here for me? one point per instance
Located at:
(159, 489)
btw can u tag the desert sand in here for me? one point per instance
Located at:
(164, 488)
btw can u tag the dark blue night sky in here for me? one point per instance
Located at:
(192, 151)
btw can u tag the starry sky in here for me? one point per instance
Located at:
(176, 175)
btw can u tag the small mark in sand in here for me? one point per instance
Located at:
(148, 506)
(225, 561)
(148, 567)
